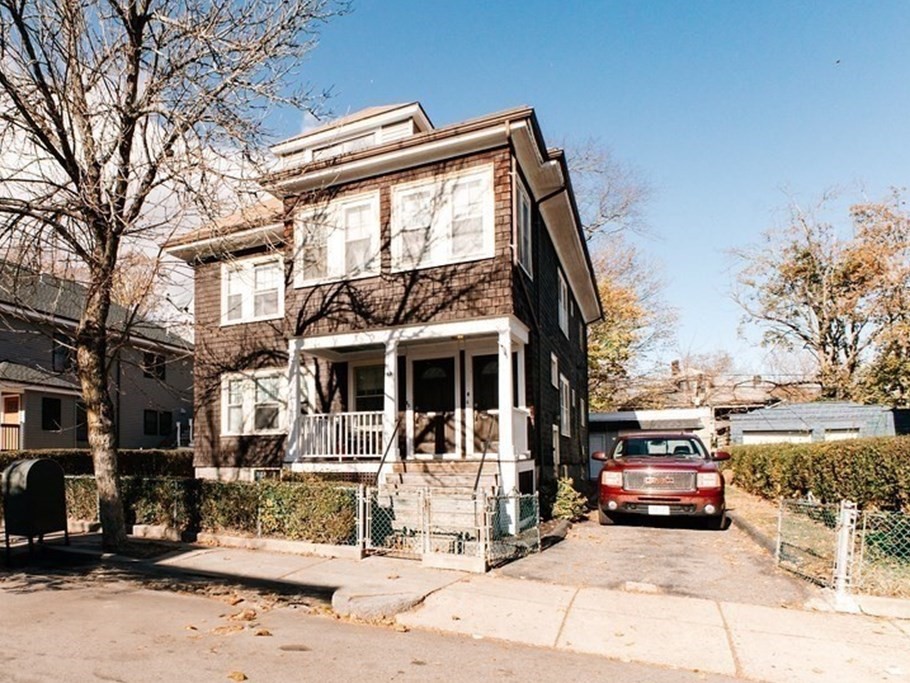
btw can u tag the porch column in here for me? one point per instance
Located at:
(506, 445)
(390, 404)
(293, 405)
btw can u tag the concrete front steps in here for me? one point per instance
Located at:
(438, 494)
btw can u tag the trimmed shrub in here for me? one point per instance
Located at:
(306, 509)
(874, 472)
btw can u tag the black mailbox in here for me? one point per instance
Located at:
(34, 500)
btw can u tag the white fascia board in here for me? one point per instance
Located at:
(397, 160)
(218, 245)
(447, 330)
(545, 177)
(557, 215)
(302, 142)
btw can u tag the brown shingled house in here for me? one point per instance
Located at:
(416, 297)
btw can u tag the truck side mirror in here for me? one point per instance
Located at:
(599, 455)
(721, 455)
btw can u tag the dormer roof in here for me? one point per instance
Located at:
(360, 130)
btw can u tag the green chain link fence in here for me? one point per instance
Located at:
(876, 547)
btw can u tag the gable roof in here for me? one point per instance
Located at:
(29, 294)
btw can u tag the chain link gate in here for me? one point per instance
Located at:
(418, 522)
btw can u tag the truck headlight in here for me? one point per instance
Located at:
(611, 479)
(708, 480)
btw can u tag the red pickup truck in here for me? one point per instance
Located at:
(661, 475)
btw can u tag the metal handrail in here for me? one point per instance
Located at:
(388, 447)
(483, 455)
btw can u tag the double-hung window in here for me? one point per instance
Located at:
(252, 289)
(443, 220)
(523, 237)
(565, 407)
(338, 241)
(252, 403)
(563, 304)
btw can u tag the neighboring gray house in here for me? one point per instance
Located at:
(819, 421)
(151, 370)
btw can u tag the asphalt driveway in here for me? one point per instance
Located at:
(671, 556)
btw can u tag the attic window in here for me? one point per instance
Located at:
(344, 147)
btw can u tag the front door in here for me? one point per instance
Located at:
(434, 406)
(9, 431)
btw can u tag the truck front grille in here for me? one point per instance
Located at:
(659, 480)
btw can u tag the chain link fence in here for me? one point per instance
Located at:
(837, 546)
(412, 523)
(807, 539)
(882, 558)
(400, 523)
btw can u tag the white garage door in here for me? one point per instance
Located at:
(752, 438)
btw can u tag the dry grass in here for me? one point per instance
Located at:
(760, 513)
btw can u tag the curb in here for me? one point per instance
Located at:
(753, 532)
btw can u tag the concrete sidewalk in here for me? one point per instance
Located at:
(746, 641)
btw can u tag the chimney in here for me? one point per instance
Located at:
(674, 368)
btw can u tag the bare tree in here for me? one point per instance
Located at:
(126, 118)
(611, 194)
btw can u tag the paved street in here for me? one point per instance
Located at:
(673, 556)
(99, 628)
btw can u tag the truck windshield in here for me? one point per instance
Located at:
(679, 448)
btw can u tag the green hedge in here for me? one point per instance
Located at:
(138, 463)
(874, 473)
(306, 509)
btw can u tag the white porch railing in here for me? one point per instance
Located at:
(341, 435)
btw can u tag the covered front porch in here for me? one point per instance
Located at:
(443, 391)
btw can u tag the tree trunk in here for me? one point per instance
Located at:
(91, 355)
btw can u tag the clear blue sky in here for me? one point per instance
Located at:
(724, 106)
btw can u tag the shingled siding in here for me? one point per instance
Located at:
(454, 292)
(537, 305)
(229, 349)
(461, 291)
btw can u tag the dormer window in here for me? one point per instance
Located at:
(344, 147)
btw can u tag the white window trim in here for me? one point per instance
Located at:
(522, 197)
(563, 303)
(248, 403)
(441, 188)
(247, 266)
(565, 407)
(336, 242)
(554, 370)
